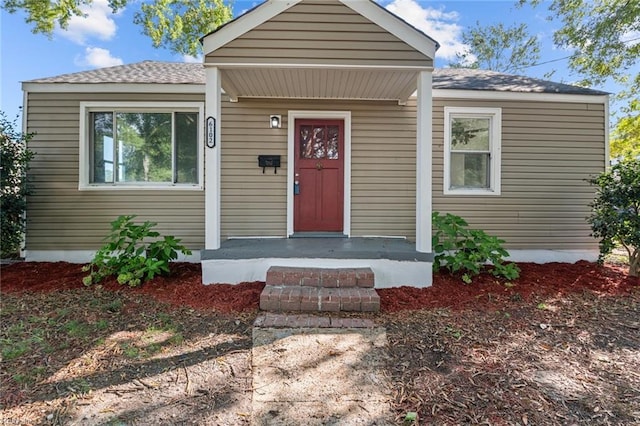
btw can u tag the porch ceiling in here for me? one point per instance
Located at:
(320, 83)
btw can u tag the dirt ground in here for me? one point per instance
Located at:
(560, 345)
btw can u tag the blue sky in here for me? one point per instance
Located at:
(103, 39)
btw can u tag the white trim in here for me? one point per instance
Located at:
(549, 256)
(607, 130)
(113, 87)
(140, 187)
(25, 108)
(495, 141)
(424, 161)
(236, 65)
(253, 237)
(212, 161)
(244, 23)
(388, 273)
(338, 115)
(395, 25)
(84, 256)
(517, 96)
(86, 107)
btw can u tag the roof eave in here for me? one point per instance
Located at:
(48, 87)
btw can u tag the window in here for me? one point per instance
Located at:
(472, 151)
(137, 145)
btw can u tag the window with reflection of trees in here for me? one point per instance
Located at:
(144, 147)
(470, 152)
(319, 142)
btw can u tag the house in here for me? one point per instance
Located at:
(311, 120)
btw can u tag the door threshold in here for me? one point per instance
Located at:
(317, 235)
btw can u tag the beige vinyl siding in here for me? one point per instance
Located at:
(59, 217)
(319, 32)
(548, 150)
(383, 167)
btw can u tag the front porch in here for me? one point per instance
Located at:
(394, 261)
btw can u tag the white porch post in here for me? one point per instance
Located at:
(212, 162)
(424, 163)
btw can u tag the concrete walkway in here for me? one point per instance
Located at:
(310, 370)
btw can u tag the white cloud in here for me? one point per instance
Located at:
(436, 23)
(97, 22)
(97, 57)
(192, 59)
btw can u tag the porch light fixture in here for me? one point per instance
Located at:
(275, 121)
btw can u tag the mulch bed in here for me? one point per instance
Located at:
(183, 287)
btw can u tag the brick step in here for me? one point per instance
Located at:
(320, 277)
(284, 298)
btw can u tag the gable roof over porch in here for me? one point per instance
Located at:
(329, 49)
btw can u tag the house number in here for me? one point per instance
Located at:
(211, 132)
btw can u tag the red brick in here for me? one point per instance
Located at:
(329, 278)
(310, 277)
(275, 275)
(364, 278)
(290, 299)
(370, 303)
(269, 305)
(346, 278)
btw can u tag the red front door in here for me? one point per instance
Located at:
(319, 173)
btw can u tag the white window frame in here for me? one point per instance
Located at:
(86, 108)
(495, 146)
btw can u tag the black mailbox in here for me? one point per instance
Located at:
(265, 161)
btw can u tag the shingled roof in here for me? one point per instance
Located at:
(146, 72)
(472, 79)
(154, 72)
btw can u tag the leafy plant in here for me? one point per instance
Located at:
(14, 188)
(411, 418)
(460, 249)
(615, 211)
(131, 256)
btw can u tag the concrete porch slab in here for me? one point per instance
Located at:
(394, 261)
(398, 249)
(314, 376)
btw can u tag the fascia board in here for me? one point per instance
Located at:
(518, 96)
(112, 88)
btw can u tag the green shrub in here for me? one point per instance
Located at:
(615, 211)
(131, 256)
(14, 188)
(459, 249)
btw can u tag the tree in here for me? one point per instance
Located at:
(14, 162)
(179, 24)
(615, 211)
(498, 48)
(625, 137)
(174, 24)
(604, 37)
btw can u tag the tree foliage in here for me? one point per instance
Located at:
(603, 36)
(625, 137)
(615, 211)
(14, 188)
(179, 24)
(498, 48)
(174, 24)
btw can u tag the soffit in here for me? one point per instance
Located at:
(320, 83)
